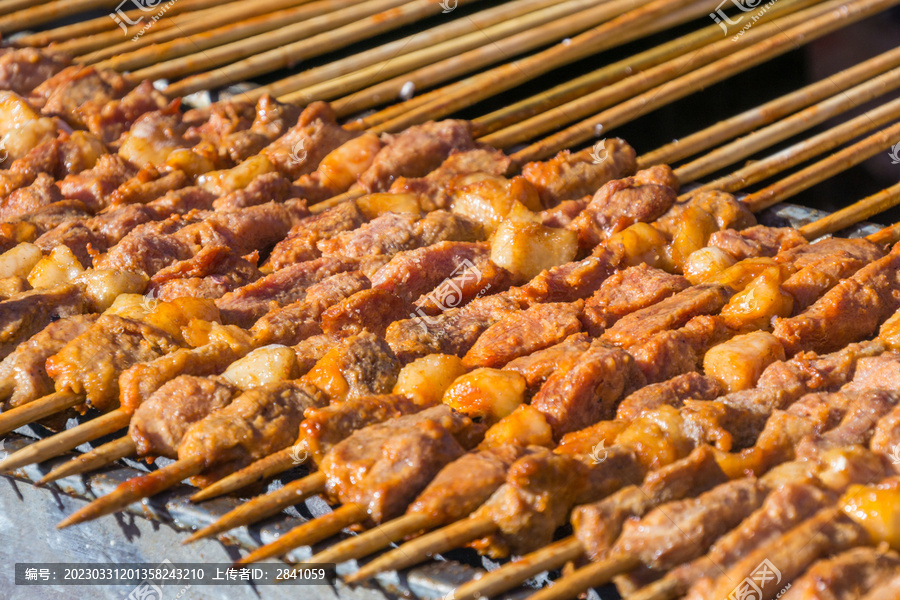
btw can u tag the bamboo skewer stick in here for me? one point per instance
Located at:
(840, 14)
(490, 37)
(587, 577)
(395, 13)
(203, 38)
(136, 489)
(416, 41)
(743, 147)
(66, 440)
(230, 15)
(264, 506)
(489, 53)
(627, 88)
(374, 539)
(309, 533)
(655, 15)
(37, 410)
(8, 6)
(95, 459)
(50, 11)
(846, 217)
(262, 469)
(705, 139)
(71, 33)
(823, 169)
(802, 151)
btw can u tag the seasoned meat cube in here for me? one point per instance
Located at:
(159, 423)
(452, 332)
(670, 353)
(370, 310)
(627, 291)
(316, 133)
(521, 333)
(850, 311)
(561, 216)
(210, 273)
(95, 186)
(66, 91)
(339, 169)
(858, 424)
(729, 212)
(756, 241)
(538, 366)
(245, 305)
(668, 393)
(359, 365)
(300, 244)
(43, 192)
(566, 283)
(301, 319)
(108, 120)
(738, 363)
(669, 314)
(91, 363)
(415, 152)
(569, 176)
(436, 188)
(24, 367)
(384, 466)
(620, 203)
(265, 188)
(153, 138)
(323, 428)
(25, 315)
(589, 391)
(148, 185)
(880, 372)
(846, 576)
(150, 247)
(23, 69)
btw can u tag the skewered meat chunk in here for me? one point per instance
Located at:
(359, 365)
(384, 466)
(159, 423)
(211, 273)
(109, 120)
(148, 185)
(623, 202)
(738, 363)
(23, 69)
(464, 286)
(95, 186)
(340, 168)
(64, 93)
(521, 333)
(25, 315)
(728, 211)
(672, 392)
(300, 243)
(877, 372)
(589, 391)
(371, 310)
(757, 241)
(415, 152)
(847, 575)
(886, 588)
(303, 318)
(23, 201)
(265, 188)
(67, 153)
(628, 291)
(23, 128)
(570, 176)
(566, 283)
(91, 363)
(538, 366)
(851, 310)
(25, 365)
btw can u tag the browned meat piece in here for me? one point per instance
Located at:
(463, 287)
(300, 244)
(148, 185)
(729, 212)
(160, 422)
(886, 589)
(267, 187)
(783, 509)
(219, 120)
(412, 273)
(271, 120)
(259, 422)
(452, 332)
(323, 428)
(23, 201)
(569, 176)
(12, 286)
(23, 69)
(465, 484)
(880, 372)
(299, 320)
(522, 332)
(394, 232)
(139, 382)
(370, 310)
(359, 365)
(300, 150)
(599, 524)
(562, 216)
(619, 204)
(827, 532)
(150, 247)
(211, 273)
(846, 576)
(756, 241)
(95, 186)
(312, 350)
(63, 93)
(245, 305)
(91, 363)
(669, 314)
(668, 393)
(589, 391)
(384, 466)
(538, 366)
(436, 188)
(887, 434)
(852, 310)
(669, 353)
(153, 137)
(857, 425)
(822, 265)
(627, 291)
(108, 120)
(539, 491)
(25, 315)
(566, 283)
(25, 369)
(36, 223)
(415, 152)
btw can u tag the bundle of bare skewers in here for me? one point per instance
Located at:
(469, 348)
